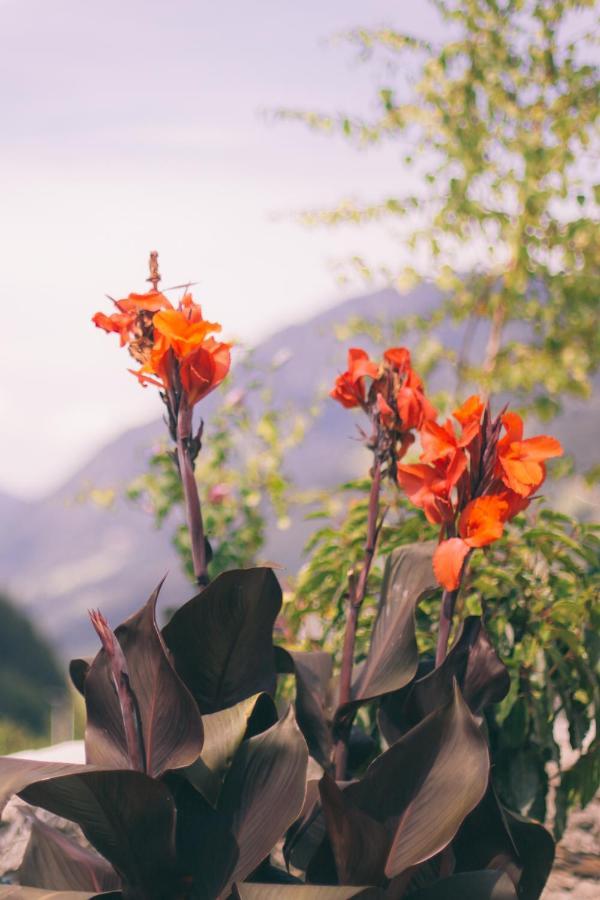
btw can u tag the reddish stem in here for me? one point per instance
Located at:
(358, 589)
(193, 509)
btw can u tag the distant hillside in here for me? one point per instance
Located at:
(63, 555)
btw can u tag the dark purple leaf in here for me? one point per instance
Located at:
(393, 658)
(127, 816)
(223, 734)
(222, 640)
(485, 885)
(421, 789)
(360, 844)
(170, 722)
(315, 698)
(261, 796)
(14, 892)
(78, 669)
(304, 892)
(52, 860)
(472, 661)
(308, 831)
(494, 837)
(16, 774)
(426, 784)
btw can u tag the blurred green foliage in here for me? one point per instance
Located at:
(497, 131)
(240, 473)
(30, 681)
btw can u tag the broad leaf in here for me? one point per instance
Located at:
(261, 796)
(222, 640)
(78, 670)
(17, 774)
(359, 843)
(52, 860)
(170, 722)
(493, 837)
(421, 789)
(393, 658)
(485, 885)
(472, 661)
(15, 892)
(315, 697)
(303, 892)
(308, 831)
(448, 782)
(223, 734)
(128, 817)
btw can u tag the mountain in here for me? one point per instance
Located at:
(64, 554)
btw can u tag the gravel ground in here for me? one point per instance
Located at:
(576, 872)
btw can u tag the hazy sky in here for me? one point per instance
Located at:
(134, 125)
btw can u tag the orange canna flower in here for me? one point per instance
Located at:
(349, 388)
(471, 410)
(151, 301)
(439, 442)
(469, 417)
(520, 463)
(448, 561)
(413, 406)
(182, 330)
(120, 323)
(134, 316)
(428, 490)
(398, 358)
(482, 520)
(480, 523)
(204, 369)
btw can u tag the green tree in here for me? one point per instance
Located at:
(30, 678)
(500, 145)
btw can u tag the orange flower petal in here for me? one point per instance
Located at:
(203, 369)
(513, 424)
(540, 448)
(398, 358)
(151, 301)
(182, 334)
(482, 520)
(448, 561)
(438, 441)
(470, 410)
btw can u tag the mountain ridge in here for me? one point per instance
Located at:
(62, 555)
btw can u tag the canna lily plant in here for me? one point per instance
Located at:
(201, 783)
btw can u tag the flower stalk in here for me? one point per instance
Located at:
(356, 595)
(193, 508)
(178, 354)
